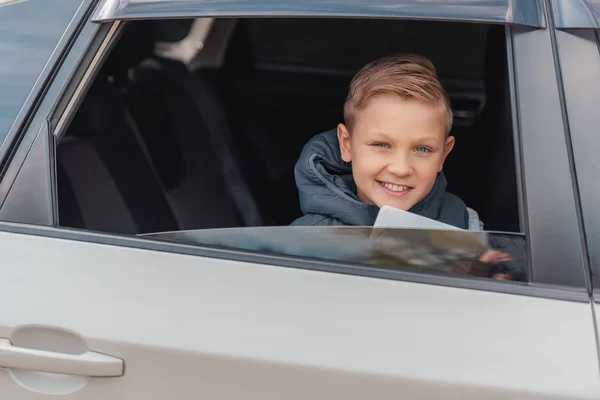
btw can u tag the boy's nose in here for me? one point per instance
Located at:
(400, 166)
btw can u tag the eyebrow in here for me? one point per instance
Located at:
(431, 137)
(426, 138)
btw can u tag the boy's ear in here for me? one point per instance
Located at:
(447, 149)
(344, 138)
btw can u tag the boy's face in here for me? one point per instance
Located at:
(396, 147)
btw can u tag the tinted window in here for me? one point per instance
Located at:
(485, 255)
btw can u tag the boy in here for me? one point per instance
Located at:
(390, 151)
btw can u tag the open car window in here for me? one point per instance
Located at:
(493, 255)
(159, 145)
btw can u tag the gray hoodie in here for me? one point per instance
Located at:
(328, 193)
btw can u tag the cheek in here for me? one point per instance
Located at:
(366, 164)
(427, 167)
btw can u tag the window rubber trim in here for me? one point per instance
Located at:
(518, 151)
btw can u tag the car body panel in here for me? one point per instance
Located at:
(189, 326)
(580, 75)
(19, 205)
(551, 219)
(525, 12)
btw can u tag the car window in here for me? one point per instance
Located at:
(477, 254)
(161, 136)
(207, 154)
(160, 144)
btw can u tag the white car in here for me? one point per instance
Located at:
(147, 150)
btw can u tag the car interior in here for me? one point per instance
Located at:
(196, 124)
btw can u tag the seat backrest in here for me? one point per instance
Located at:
(166, 101)
(105, 174)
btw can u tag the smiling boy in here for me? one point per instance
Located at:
(390, 151)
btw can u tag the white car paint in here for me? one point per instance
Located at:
(198, 328)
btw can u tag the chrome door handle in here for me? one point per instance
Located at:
(87, 364)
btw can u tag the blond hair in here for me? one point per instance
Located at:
(407, 76)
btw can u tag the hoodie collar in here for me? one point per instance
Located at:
(326, 186)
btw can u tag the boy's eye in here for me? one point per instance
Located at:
(422, 149)
(381, 144)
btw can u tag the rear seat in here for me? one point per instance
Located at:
(150, 148)
(140, 158)
(165, 99)
(105, 181)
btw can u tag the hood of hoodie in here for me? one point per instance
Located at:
(325, 183)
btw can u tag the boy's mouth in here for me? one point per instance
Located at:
(393, 189)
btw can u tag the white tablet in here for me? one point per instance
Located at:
(390, 217)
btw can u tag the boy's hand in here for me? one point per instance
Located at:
(494, 257)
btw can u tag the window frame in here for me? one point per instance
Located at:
(519, 12)
(557, 274)
(578, 52)
(540, 123)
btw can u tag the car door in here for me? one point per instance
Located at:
(190, 325)
(578, 46)
(91, 315)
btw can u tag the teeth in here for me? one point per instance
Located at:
(394, 188)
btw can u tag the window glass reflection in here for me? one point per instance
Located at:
(500, 256)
